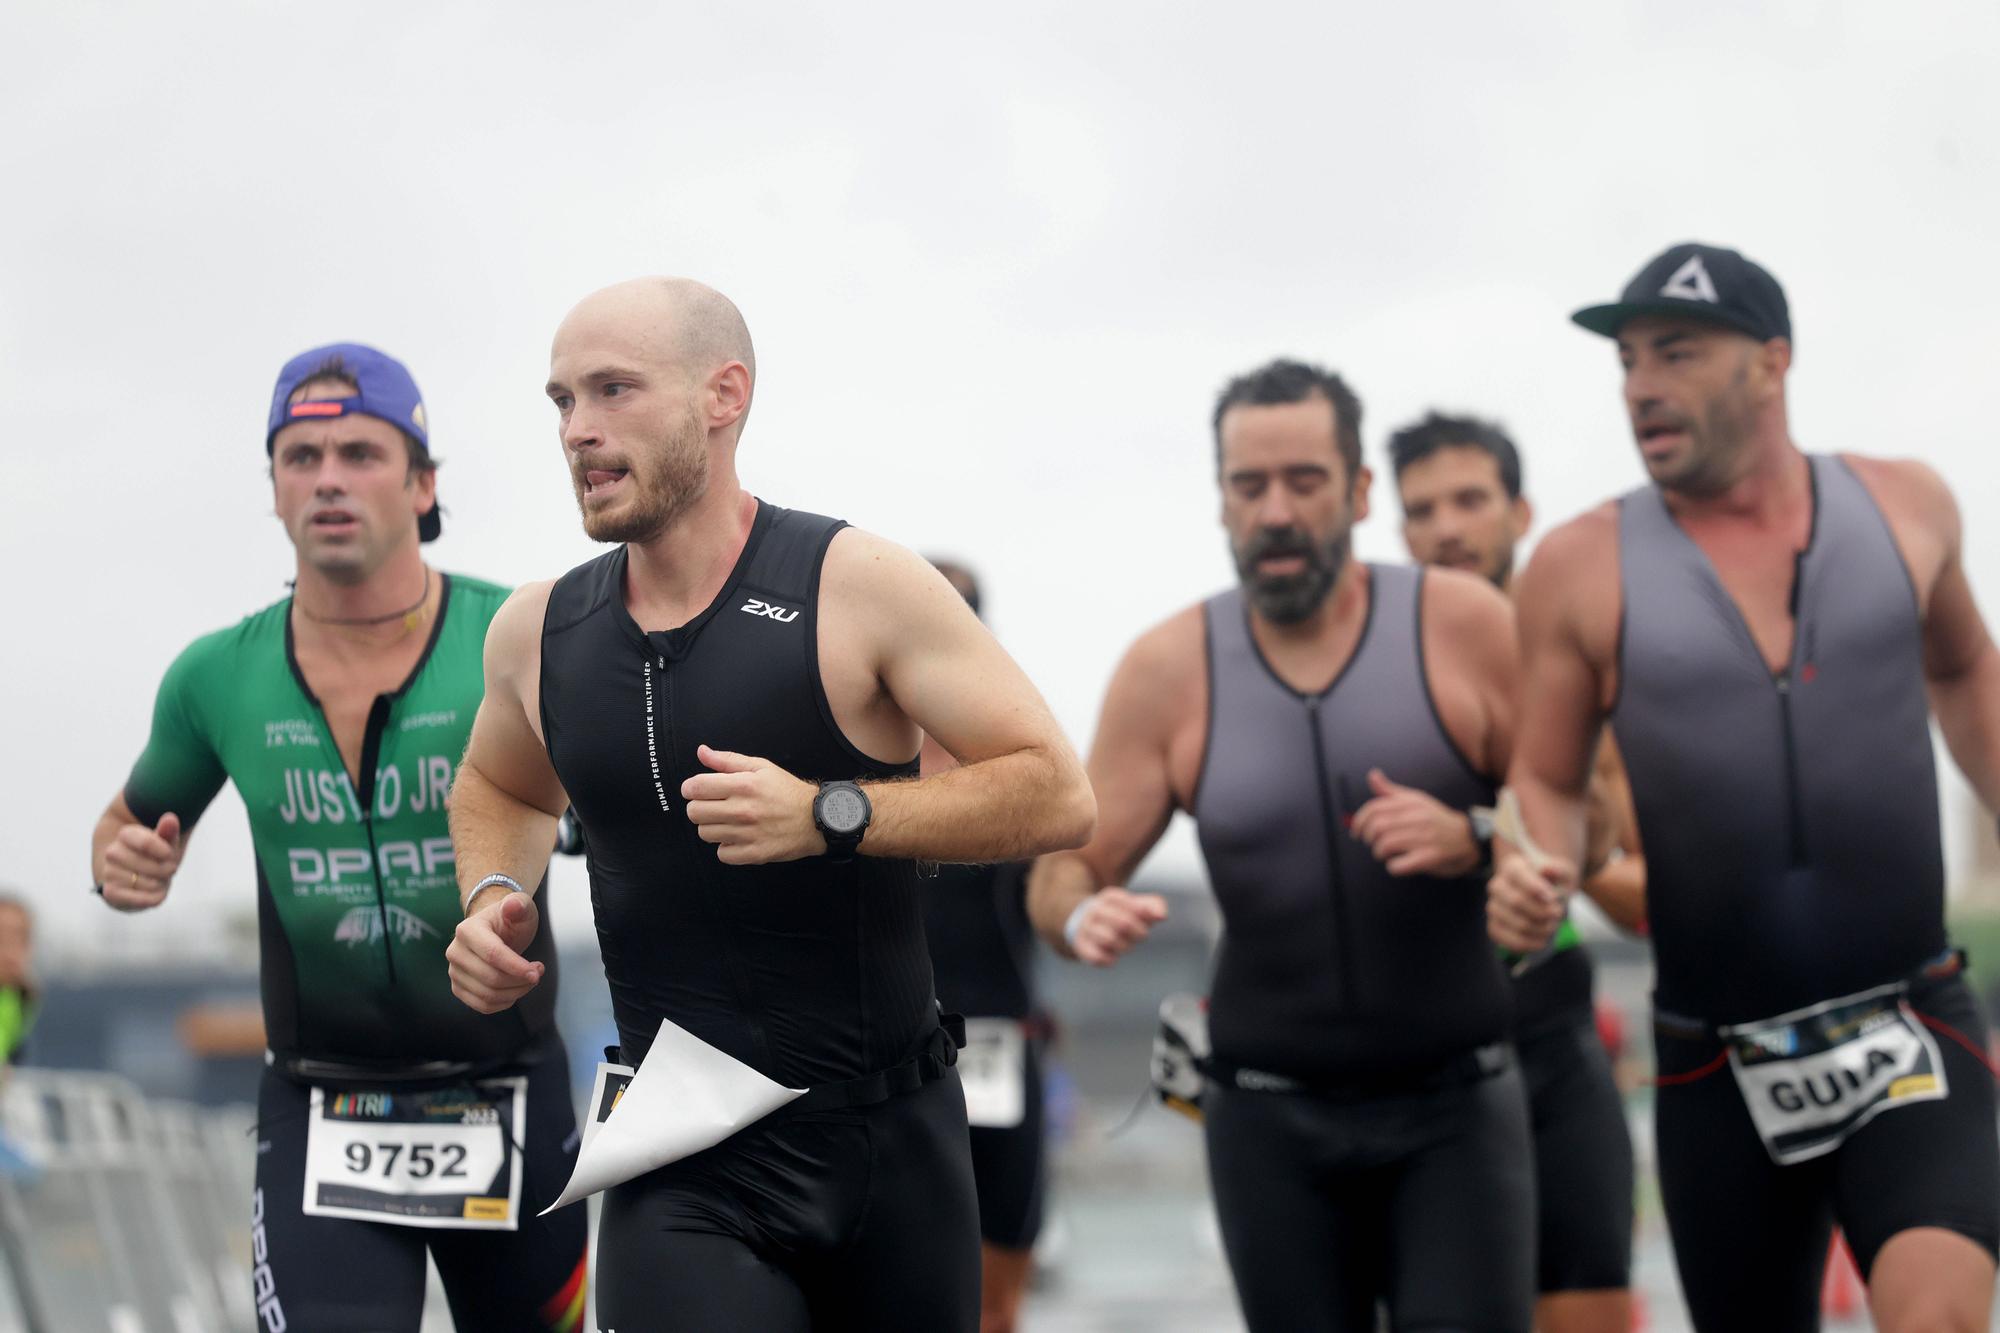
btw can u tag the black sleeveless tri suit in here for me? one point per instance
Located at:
(813, 972)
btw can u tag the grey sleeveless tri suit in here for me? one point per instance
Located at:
(1790, 826)
(1367, 1133)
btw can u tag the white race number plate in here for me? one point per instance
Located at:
(993, 1067)
(1812, 1077)
(439, 1158)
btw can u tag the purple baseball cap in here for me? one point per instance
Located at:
(384, 389)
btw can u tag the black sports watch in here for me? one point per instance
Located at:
(841, 813)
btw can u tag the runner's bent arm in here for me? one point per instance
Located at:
(507, 800)
(137, 845)
(1961, 664)
(1619, 886)
(1561, 715)
(1472, 661)
(1019, 788)
(1475, 624)
(505, 808)
(902, 631)
(1130, 770)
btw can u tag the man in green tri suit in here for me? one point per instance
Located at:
(393, 1119)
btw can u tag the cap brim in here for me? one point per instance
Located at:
(1608, 319)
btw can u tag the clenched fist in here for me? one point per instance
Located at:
(1110, 921)
(485, 956)
(139, 864)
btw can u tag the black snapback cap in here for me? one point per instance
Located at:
(1703, 282)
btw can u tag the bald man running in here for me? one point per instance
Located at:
(733, 699)
(1765, 629)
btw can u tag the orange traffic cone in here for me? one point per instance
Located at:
(1840, 1292)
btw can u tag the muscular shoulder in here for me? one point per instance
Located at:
(1571, 585)
(1463, 608)
(863, 562)
(1922, 516)
(516, 626)
(1578, 549)
(1160, 686)
(1908, 491)
(1170, 657)
(869, 580)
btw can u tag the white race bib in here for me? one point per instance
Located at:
(1812, 1077)
(994, 1069)
(443, 1157)
(1181, 1052)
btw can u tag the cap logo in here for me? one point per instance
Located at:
(1691, 283)
(417, 415)
(318, 407)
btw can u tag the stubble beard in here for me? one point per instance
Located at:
(675, 479)
(1719, 438)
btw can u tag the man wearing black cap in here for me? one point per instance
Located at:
(1769, 632)
(391, 1118)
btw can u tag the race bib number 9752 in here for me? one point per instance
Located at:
(438, 1158)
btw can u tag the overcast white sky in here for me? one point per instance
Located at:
(997, 261)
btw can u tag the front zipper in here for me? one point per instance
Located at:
(1794, 817)
(371, 757)
(364, 799)
(1794, 802)
(1337, 882)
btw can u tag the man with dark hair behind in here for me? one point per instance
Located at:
(1459, 479)
(1367, 1131)
(1466, 510)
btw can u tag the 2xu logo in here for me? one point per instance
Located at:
(777, 613)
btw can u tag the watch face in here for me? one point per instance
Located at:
(843, 810)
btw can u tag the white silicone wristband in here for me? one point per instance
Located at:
(513, 886)
(1074, 926)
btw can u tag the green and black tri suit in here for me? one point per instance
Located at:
(357, 892)
(357, 898)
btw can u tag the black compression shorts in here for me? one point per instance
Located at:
(861, 1219)
(1008, 1168)
(1424, 1201)
(1750, 1236)
(334, 1274)
(1583, 1161)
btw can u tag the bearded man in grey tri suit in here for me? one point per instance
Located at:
(1768, 632)
(1366, 1127)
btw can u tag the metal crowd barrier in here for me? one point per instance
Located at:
(129, 1215)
